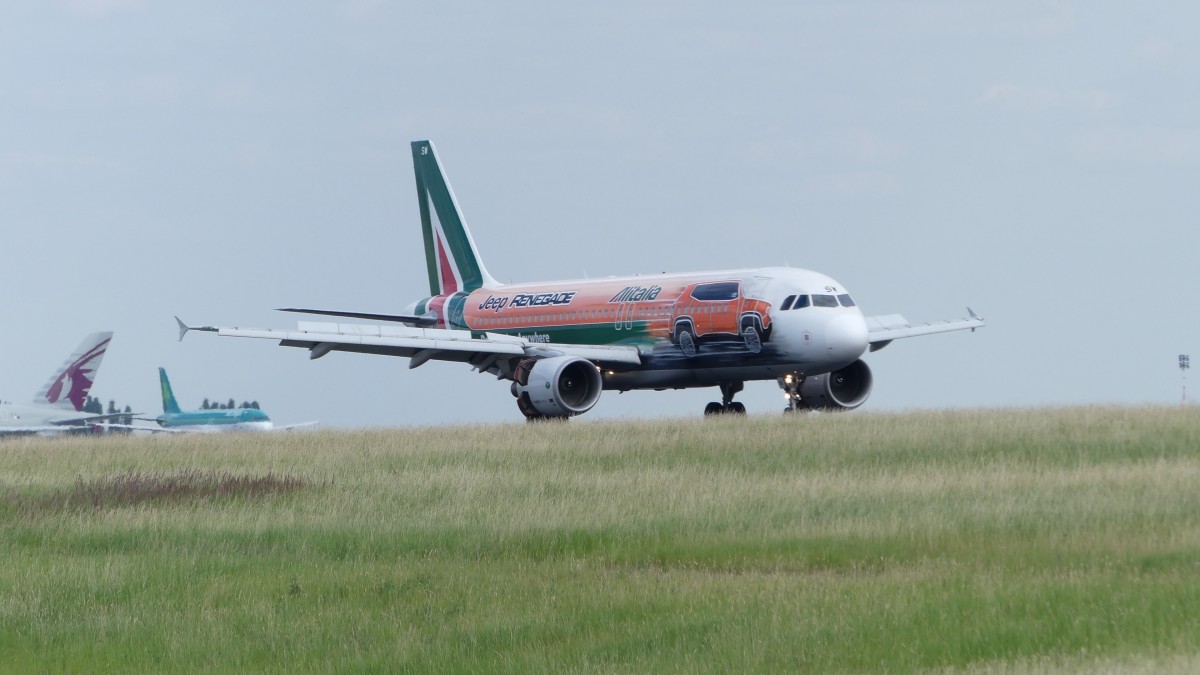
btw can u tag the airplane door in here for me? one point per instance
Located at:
(624, 320)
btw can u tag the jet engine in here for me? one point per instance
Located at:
(560, 386)
(844, 389)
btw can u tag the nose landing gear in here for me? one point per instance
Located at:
(727, 404)
(790, 384)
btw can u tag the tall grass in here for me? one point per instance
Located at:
(1013, 540)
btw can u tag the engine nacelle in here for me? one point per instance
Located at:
(844, 389)
(560, 386)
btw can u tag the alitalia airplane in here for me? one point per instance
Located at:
(58, 405)
(562, 343)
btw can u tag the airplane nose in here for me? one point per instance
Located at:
(846, 337)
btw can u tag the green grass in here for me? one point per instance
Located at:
(1037, 540)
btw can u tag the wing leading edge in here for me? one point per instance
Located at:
(881, 330)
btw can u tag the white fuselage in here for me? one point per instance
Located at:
(33, 415)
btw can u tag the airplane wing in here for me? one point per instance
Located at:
(881, 330)
(65, 423)
(487, 352)
(33, 430)
(169, 430)
(60, 422)
(135, 427)
(300, 425)
(421, 321)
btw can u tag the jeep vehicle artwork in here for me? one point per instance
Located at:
(717, 310)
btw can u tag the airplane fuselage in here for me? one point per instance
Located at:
(27, 415)
(695, 329)
(236, 419)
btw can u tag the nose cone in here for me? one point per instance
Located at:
(846, 337)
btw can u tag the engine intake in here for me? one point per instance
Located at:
(560, 386)
(844, 389)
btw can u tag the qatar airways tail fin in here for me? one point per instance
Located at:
(68, 387)
(450, 254)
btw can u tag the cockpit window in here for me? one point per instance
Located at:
(845, 299)
(787, 303)
(721, 290)
(801, 302)
(824, 301)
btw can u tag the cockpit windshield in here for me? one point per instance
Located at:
(816, 300)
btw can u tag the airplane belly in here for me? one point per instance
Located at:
(679, 378)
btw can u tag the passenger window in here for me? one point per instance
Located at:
(801, 302)
(844, 298)
(787, 303)
(824, 301)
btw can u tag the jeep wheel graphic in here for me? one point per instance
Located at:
(753, 339)
(687, 343)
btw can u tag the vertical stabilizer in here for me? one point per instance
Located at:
(170, 405)
(68, 387)
(450, 254)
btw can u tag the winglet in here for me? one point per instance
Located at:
(184, 328)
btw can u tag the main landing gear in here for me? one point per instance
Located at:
(727, 404)
(790, 384)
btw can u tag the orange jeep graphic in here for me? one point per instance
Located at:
(718, 310)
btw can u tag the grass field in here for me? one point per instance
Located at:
(999, 541)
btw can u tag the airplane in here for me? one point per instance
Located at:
(562, 343)
(58, 405)
(174, 419)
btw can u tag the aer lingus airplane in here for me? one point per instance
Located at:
(212, 420)
(58, 405)
(562, 343)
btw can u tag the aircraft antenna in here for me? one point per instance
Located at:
(1185, 362)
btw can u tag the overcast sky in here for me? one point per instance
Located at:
(1037, 161)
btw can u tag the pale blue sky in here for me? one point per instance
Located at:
(1036, 160)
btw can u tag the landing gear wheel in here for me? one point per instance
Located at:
(727, 404)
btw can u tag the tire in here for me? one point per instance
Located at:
(713, 408)
(736, 408)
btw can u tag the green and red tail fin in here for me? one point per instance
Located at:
(453, 261)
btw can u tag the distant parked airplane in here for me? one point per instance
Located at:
(58, 405)
(561, 343)
(211, 420)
